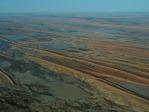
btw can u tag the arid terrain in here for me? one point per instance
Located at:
(74, 63)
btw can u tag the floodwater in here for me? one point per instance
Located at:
(57, 84)
(139, 89)
(57, 47)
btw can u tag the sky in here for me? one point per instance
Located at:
(9, 6)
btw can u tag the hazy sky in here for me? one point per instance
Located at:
(74, 5)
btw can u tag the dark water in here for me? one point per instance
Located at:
(57, 47)
(139, 89)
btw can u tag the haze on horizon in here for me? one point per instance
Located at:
(21, 6)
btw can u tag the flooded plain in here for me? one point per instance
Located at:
(74, 64)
